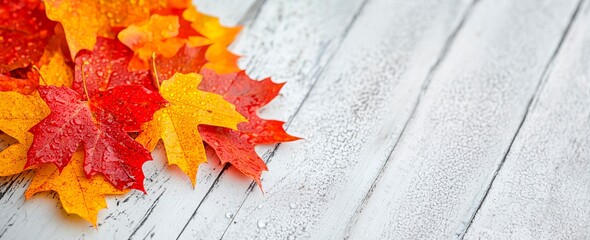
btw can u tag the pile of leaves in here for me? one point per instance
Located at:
(78, 79)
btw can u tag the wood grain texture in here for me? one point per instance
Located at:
(543, 189)
(439, 172)
(351, 120)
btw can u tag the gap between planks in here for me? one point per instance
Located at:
(535, 89)
(433, 69)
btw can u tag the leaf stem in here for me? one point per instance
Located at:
(39, 72)
(155, 70)
(84, 81)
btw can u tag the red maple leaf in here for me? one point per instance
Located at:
(105, 67)
(187, 60)
(237, 147)
(24, 32)
(99, 126)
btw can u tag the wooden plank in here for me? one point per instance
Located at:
(439, 172)
(22, 220)
(351, 120)
(543, 189)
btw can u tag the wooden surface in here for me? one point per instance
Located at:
(424, 119)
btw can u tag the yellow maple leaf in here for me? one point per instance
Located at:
(77, 194)
(16, 122)
(54, 68)
(221, 60)
(158, 35)
(84, 21)
(176, 124)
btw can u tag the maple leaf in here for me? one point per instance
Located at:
(219, 38)
(99, 125)
(176, 124)
(84, 21)
(105, 67)
(187, 60)
(185, 30)
(178, 26)
(24, 32)
(55, 63)
(237, 147)
(77, 194)
(16, 122)
(158, 35)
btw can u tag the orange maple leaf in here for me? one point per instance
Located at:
(84, 21)
(158, 35)
(168, 30)
(221, 60)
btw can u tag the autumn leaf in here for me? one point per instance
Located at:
(84, 21)
(237, 147)
(176, 124)
(99, 126)
(77, 194)
(24, 32)
(16, 122)
(220, 58)
(187, 60)
(158, 35)
(55, 64)
(185, 30)
(177, 27)
(105, 67)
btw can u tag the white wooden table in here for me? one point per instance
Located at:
(423, 119)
